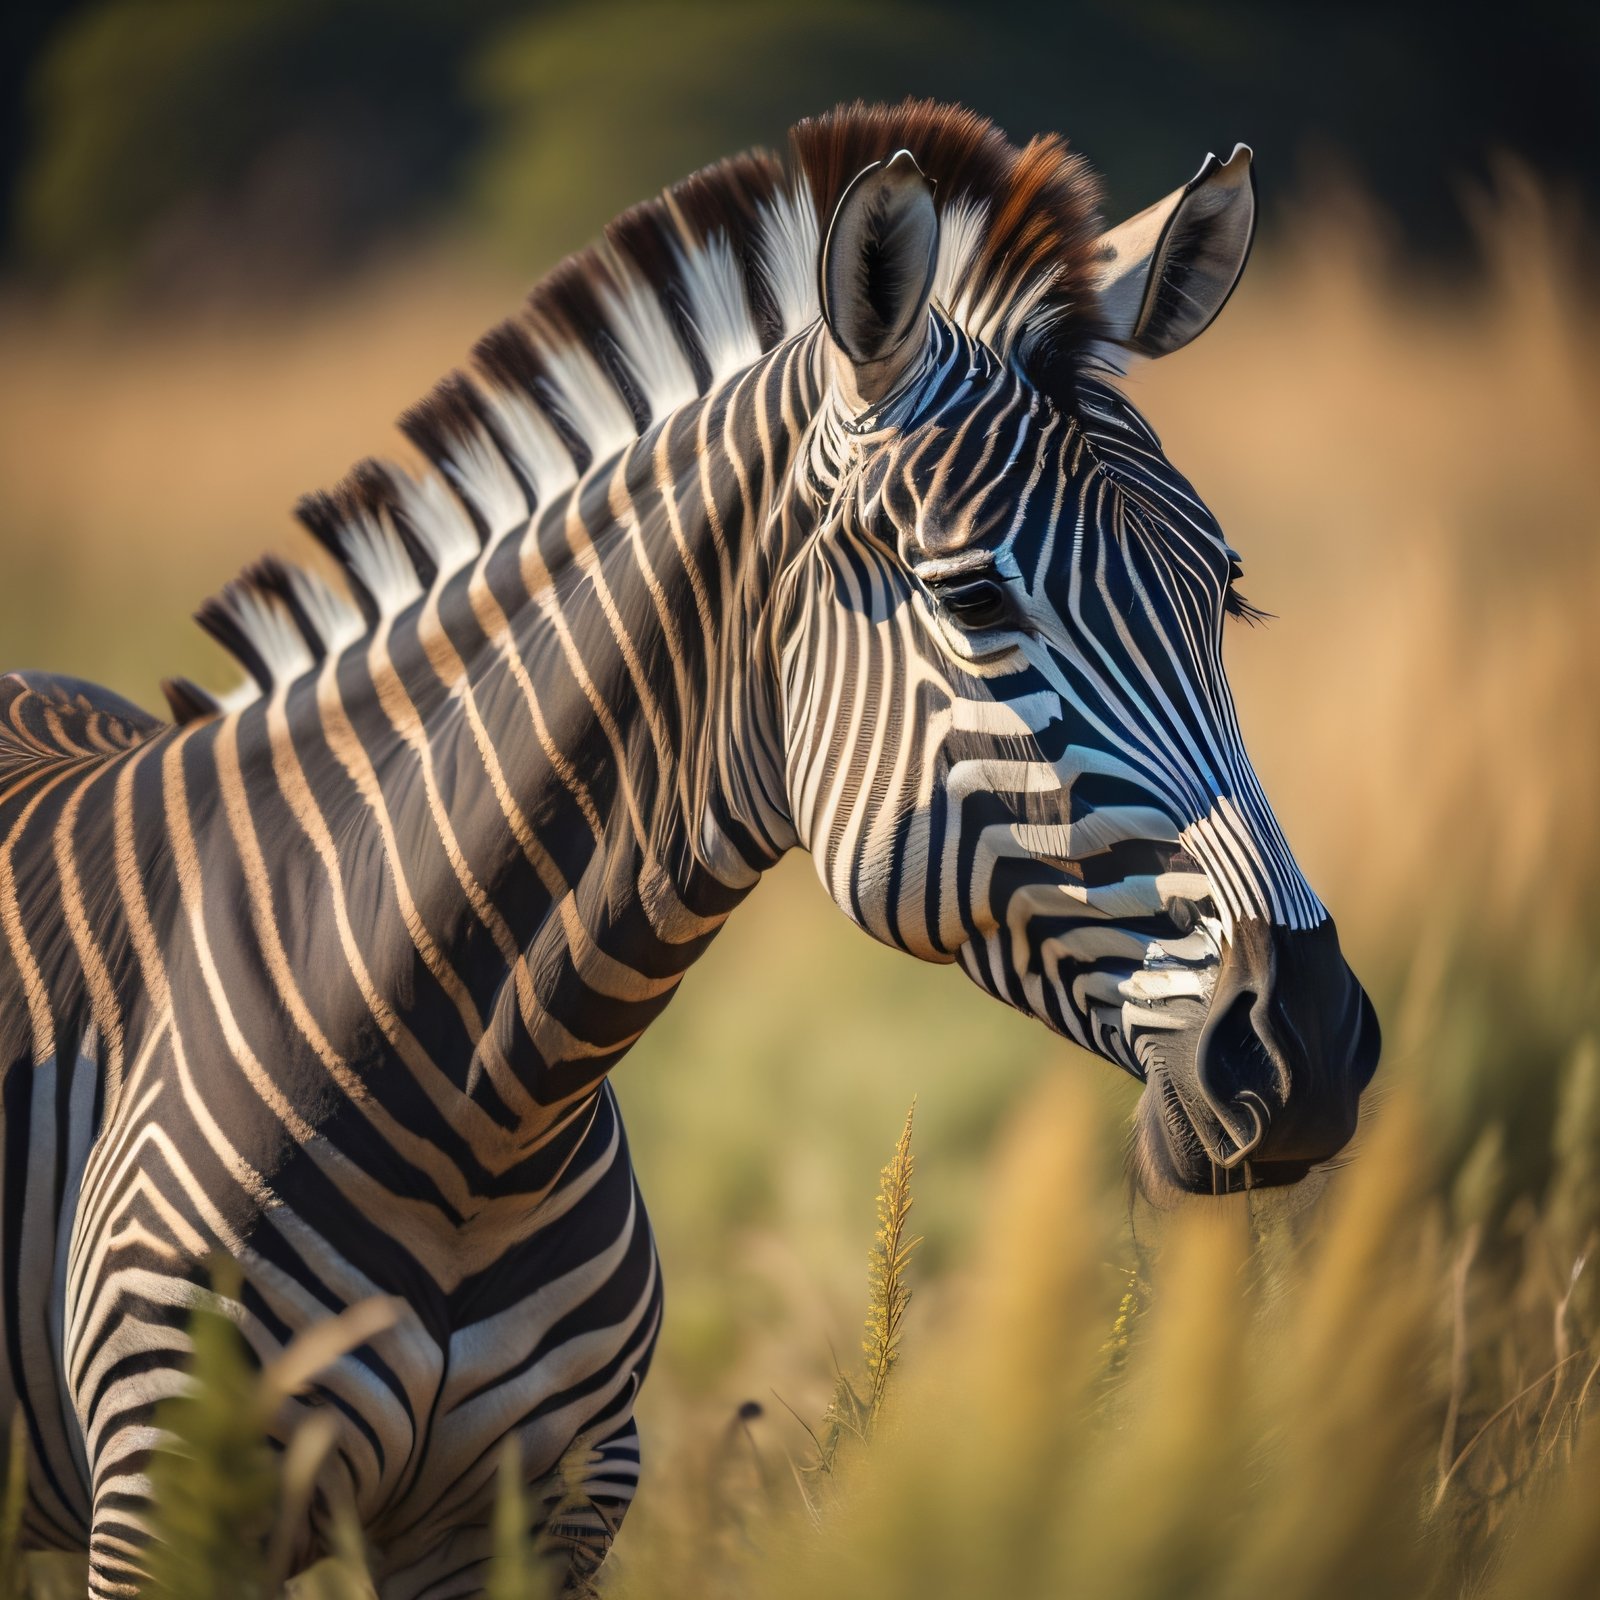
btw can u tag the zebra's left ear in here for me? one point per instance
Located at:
(1166, 273)
(875, 273)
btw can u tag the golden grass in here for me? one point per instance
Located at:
(1275, 1403)
(854, 1411)
(1259, 1430)
(1289, 1432)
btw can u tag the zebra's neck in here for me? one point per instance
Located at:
(563, 764)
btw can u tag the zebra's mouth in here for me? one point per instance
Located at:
(1173, 1158)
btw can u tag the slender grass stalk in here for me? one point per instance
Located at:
(214, 1484)
(13, 1577)
(511, 1572)
(851, 1411)
(342, 1575)
(889, 1287)
(1119, 1342)
(229, 1512)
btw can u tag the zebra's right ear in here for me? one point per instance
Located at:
(876, 273)
(1165, 274)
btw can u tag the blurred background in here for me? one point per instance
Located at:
(239, 238)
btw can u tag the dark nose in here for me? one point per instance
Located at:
(1289, 1043)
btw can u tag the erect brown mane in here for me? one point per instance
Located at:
(679, 294)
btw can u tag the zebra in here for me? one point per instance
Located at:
(802, 510)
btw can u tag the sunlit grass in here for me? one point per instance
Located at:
(1386, 1398)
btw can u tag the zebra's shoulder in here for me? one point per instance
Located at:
(47, 720)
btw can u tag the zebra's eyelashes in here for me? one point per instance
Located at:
(1240, 609)
(1234, 603)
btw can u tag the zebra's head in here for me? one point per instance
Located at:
(1009, 735)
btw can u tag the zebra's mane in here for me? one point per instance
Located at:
(679, 294)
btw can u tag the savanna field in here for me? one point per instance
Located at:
(1374, 1385)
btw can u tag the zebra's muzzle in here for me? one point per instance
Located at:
(1272, 1084)
(1291, 1041)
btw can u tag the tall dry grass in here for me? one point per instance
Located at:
(1295, 1412)
(1371, 1388)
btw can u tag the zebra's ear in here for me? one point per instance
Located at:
(1166, 273)
(876, 271)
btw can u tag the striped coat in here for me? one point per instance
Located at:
(799, 511)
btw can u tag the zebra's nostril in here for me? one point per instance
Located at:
(1247, 1133)
(1233, 1062)
(1292, 1034)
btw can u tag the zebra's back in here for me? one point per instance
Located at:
(57, 735)
(47, 721)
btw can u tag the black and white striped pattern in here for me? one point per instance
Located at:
(1030, 798)
(328, 975)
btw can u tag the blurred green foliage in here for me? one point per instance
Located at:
(218, 1490)
(595, 107)
(170, 145)
(272, 140)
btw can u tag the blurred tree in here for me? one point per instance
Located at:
(25, 34)
(184, 143)
(596, 107)
(176, 144)
(591, 107)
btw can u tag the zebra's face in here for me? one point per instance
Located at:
(1012, 745)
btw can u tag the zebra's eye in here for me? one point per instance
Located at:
(974, 603)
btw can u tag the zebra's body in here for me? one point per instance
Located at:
(328, 976)
(394, 1109)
